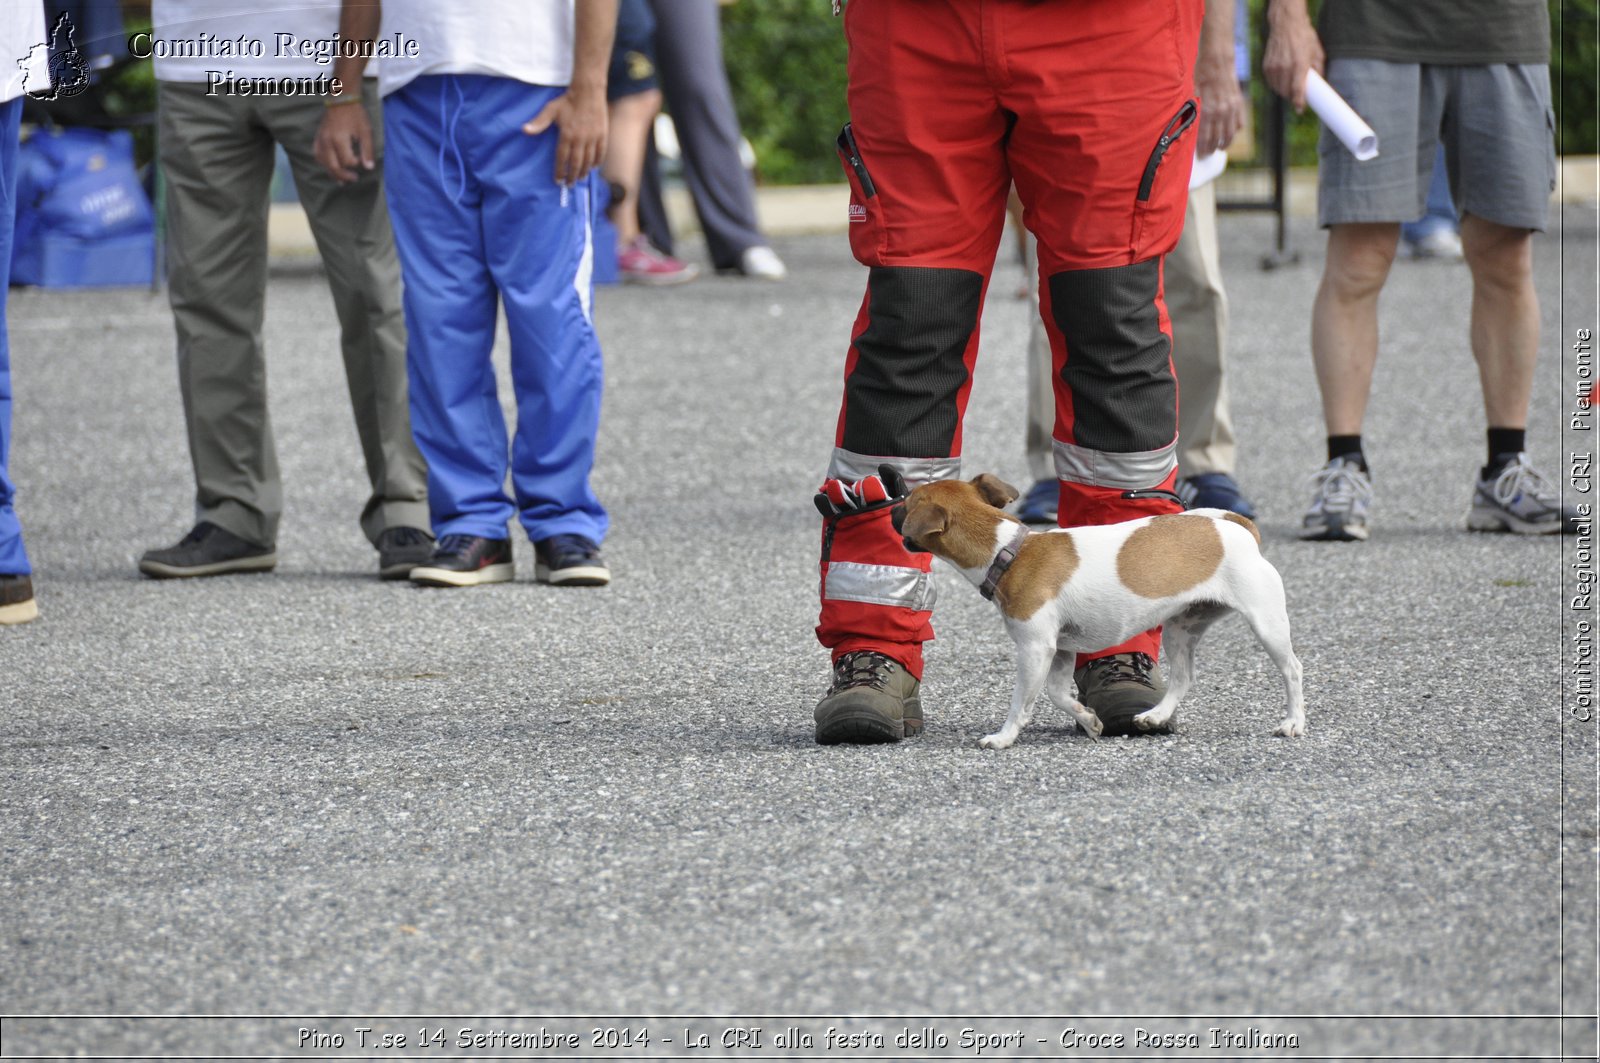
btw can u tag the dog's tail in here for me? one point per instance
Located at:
(1246, 523)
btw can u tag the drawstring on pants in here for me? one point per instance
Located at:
(448, 123)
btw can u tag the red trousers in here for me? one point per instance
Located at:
(1086, 106)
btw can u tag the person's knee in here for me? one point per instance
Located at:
(1500, 258)
(1359, 258)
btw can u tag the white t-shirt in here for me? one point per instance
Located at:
(528, 40)
(23, 55)
(260, 39)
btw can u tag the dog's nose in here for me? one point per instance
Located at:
(911, 547)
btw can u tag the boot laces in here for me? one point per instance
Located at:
(1124, 668)
(860, 669)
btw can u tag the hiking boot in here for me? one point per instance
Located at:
(17, 604)
(640, 263)
(1214, 490)
(570, 561)
(208, 550)
(402, 549)
(872, 699)
(1519, 499)
(1119, 687)
(1039, 505)
(466, 561)
(1339, 509)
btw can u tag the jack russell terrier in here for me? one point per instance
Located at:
(1075, 590)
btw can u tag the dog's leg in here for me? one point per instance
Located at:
(1178, 639)
(1061, 689)
(1033, 661)
(1268, 616)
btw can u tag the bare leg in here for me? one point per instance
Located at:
(1505, 317)
(624, 162)
(1344, 320)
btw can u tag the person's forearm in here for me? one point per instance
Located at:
(594, 30)
(1286, 12)
(1216, 34)
(358, 22)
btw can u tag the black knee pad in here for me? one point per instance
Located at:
(901, 397)
(1119, 362)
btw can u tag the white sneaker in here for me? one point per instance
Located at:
(1519, 499)
(1442, 244)
(762, 263)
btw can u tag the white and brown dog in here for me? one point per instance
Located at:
(1075, 590)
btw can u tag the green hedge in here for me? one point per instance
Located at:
(786, 63)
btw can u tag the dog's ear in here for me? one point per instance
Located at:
(929, 518)
(994, 490)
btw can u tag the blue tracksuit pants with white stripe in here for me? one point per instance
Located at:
(13, 556)
(480, 221)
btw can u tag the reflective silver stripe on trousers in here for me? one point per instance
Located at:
(850, 581)
(1099, 468)
(850, 466)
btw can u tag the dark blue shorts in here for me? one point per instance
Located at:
(633, 56)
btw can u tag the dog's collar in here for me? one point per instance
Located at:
(1002, 562)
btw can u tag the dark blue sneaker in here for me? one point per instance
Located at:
(1039, 505)
(570, 561)
(1214, 490)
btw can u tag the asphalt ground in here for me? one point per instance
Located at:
(312, 793)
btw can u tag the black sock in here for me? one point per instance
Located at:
(1504, 444)
(1342, 446)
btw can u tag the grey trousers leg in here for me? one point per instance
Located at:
(216, 155)
(216, 161)
(1198, 308)
(695, 84)
(351, 226)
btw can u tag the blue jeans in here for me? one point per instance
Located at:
(1441, 211)
(479, 220)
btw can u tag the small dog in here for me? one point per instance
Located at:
(1077, 590)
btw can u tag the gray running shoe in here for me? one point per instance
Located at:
(1339, 509)
(1519, 499)
(872, 699)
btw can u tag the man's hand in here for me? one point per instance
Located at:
(344, 142)
(1293, 47)
(580, 115)
(1221, 104)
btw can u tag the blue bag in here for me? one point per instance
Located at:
(83, 219)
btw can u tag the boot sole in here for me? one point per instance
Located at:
(444, 577)
(259, 563)
(863, 727)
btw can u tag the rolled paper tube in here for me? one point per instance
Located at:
(1340, 118)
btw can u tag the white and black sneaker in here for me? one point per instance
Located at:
(1338, 510)
(1518, 498)
(570, 561)
(466, 561)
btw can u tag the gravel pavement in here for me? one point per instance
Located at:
(311, 793)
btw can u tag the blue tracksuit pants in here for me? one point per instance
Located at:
(479, 220)
(13, 558)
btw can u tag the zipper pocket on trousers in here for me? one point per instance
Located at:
(852, 156)
(1175, 128)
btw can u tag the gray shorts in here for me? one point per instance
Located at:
(1496, 125)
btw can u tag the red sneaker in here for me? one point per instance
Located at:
(640, 263)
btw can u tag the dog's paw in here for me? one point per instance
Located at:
(1090, 723)
(998, 740)
(1291, 728)
(1153, 719)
